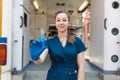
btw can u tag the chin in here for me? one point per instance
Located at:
(62, 30)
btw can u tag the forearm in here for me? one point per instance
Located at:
(81, 74)
(42, 57)
(38, 61)
(81, 66)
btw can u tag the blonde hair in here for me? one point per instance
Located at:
(70, 37)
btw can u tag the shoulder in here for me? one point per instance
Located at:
(80, 46)
(77, 39)
(79, 42)
(51, 39)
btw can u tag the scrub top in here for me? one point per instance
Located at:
(64, 59)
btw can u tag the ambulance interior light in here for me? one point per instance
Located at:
(36, 4)
(84, 5)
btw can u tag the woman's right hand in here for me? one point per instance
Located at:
(37, 47)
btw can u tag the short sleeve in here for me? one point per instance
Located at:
(80, 46)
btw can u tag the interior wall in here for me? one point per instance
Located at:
(49, 8)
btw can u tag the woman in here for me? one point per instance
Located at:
(66, 52)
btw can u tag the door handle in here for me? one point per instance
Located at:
(21, 21)
(118, 42)
(105, 21)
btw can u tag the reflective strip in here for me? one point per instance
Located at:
(0, 27)
(3, 39)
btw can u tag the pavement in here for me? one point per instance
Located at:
(39, 72)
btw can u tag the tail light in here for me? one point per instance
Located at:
(3, 51)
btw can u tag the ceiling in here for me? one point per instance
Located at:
(51, 4)
(60, 4)
(50, 7)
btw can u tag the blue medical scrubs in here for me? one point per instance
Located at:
(64, 59)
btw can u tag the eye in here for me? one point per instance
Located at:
(64, 20)
(58, 20)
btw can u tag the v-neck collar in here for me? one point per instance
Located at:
(61, 43)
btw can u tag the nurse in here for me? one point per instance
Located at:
(66, 52)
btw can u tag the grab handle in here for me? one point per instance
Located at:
(21, 21)
(105, 21)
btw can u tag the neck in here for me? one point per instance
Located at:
(62, 35)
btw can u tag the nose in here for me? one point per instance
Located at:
(61, 22)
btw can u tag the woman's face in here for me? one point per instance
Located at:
(62, 22)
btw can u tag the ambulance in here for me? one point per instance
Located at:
(20, 23)
(14, 38)
(5, 39)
